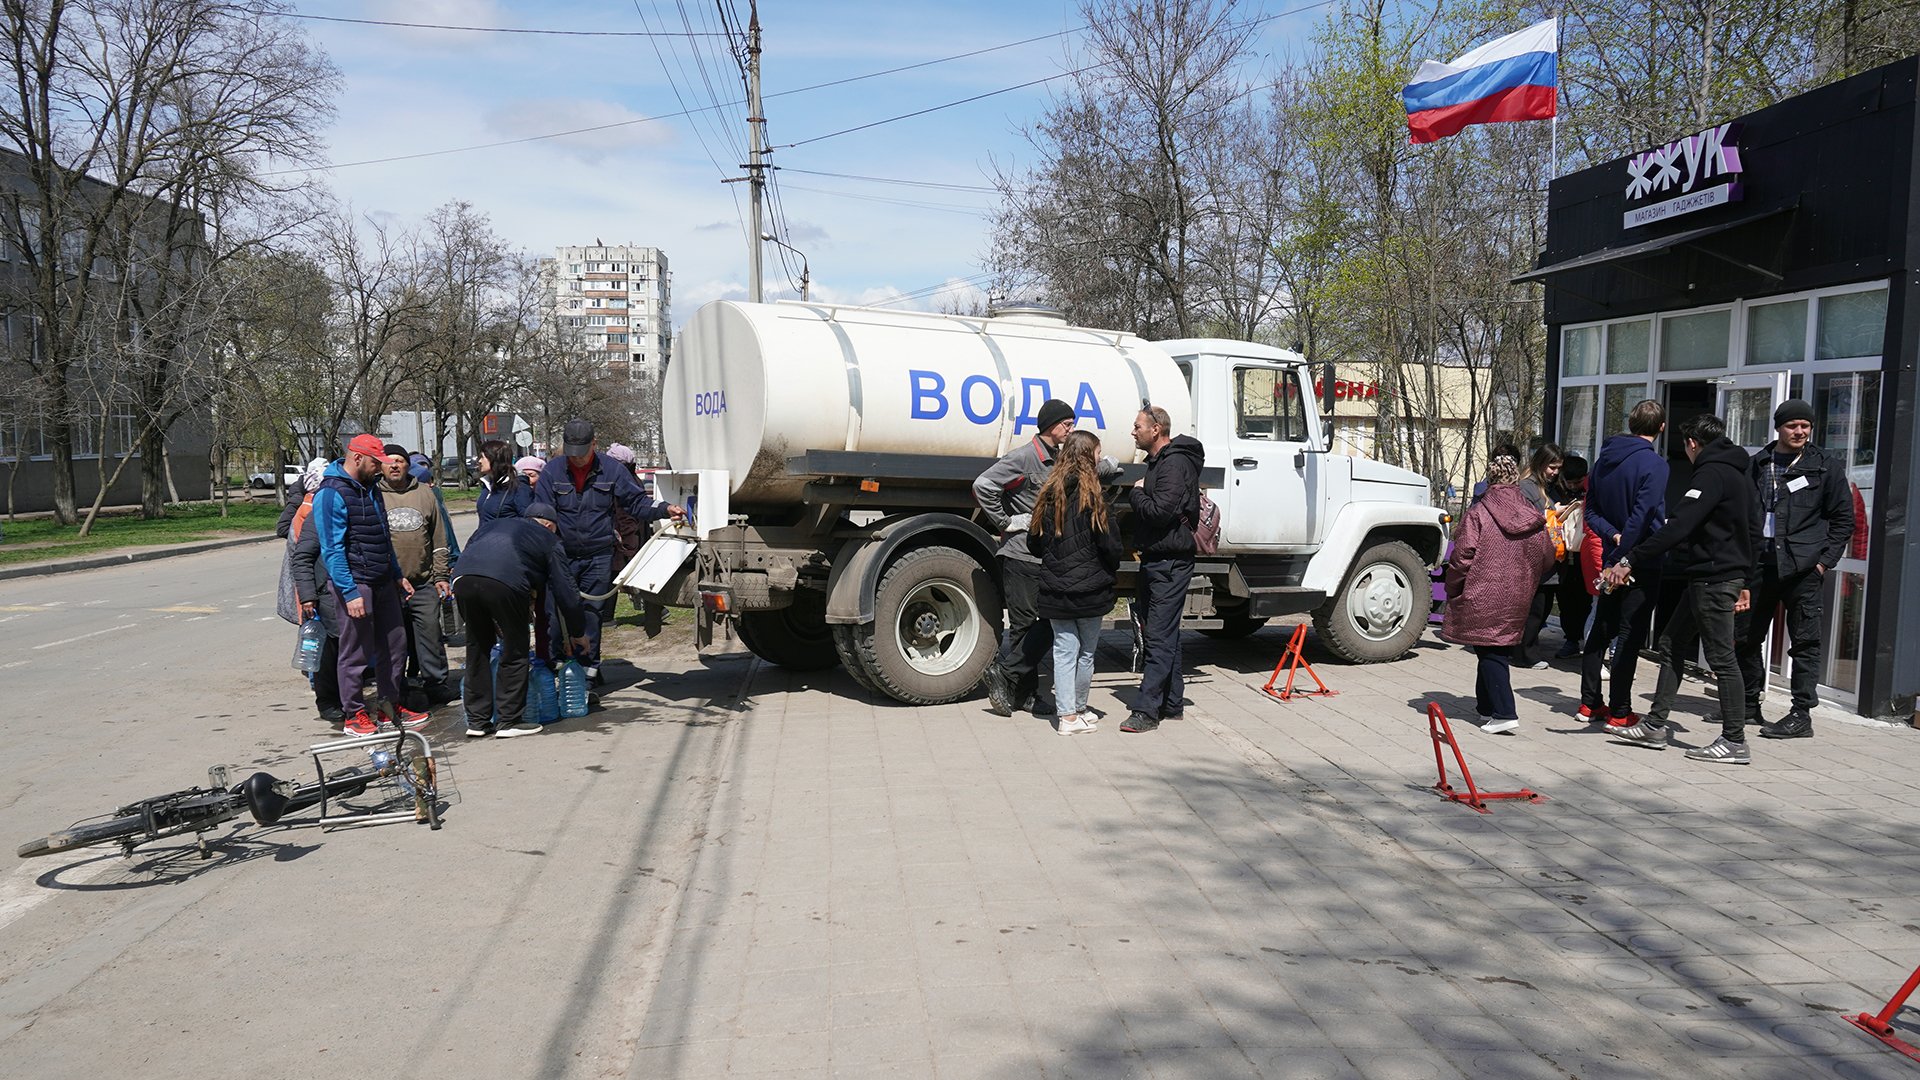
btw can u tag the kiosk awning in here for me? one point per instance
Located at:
(1654, 247)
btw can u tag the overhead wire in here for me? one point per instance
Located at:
(698, 135)
(474, 29)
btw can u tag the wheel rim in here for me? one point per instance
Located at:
(938, 627)
(1379, 601)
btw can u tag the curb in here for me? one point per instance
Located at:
(97, 562)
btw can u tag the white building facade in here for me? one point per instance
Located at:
(613, 299)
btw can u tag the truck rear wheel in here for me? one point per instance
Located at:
(929, 640)
(795, 637)
(1381, 608)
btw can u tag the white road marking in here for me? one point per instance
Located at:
(20, 892)
(83, 637)
(15, 664)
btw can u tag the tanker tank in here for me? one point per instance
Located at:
(753, 385)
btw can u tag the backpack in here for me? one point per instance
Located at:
(1573, 527)
(1206, 531)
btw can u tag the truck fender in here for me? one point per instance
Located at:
(857, 565)
(1359, 526)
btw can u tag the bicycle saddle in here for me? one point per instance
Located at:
(266, 804)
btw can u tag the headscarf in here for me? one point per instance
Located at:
(621, 453)
(529, 463)
(310, 476)
(1503, 470)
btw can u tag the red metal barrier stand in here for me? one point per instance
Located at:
(1881, 1026)
(1442, 732)
(1293, 661)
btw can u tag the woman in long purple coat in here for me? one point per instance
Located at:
(1499, 556)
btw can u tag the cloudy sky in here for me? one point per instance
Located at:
(658, 181)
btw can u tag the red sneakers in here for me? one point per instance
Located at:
(1628, 720)
(360, 723)
(408, 719)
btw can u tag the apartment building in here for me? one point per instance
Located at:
(612, 300)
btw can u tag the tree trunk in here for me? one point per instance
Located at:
(155, 480)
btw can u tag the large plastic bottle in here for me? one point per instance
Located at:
(543, 697)
(306, 650)
(573, 690)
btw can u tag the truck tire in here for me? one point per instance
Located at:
(1235, 626)
(795, 637)
(930, 639)
(847, 645)
(1380, 609)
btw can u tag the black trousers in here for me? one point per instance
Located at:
(1027, 638)
(1625, 612)
(326, 678)
(1800, 596)
(1162, 599)
(1704, 618)
(1493, 685)
(428, 651)
(1576, 603)
(494, 613)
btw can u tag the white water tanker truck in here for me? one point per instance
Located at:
(826, 453)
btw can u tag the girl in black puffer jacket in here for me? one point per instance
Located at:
(1072, 534)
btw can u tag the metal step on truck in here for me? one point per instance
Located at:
(825, 456)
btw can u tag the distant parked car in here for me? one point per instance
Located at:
(289, 476)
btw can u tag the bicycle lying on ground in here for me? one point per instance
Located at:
(400, 781)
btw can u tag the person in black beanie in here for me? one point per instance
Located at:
(1806, 519)
(1006, 493)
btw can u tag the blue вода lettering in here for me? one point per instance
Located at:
(987, 415)
(1030, 405)
(1086, 409)
(711, 403)
(929, 395)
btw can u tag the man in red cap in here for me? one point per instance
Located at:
(351, 524)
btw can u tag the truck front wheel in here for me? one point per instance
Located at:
(929, 640)
(1381, 608)
(795, 637)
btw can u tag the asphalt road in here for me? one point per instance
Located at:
(502, 945)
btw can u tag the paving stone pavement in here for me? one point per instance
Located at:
(1273, 890)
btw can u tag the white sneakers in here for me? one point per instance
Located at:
(1500, 727)
(1075, 725)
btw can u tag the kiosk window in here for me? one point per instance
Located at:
(1267, 405)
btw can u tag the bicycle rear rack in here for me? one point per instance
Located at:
(421, 781)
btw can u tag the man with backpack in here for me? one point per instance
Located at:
(1166, 512)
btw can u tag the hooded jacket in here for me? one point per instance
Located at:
(1498, 558)
(500, 498)
(522, 555)
(1626, 494)
(1813, 511)
(1710, 527)
(1168, 503)
(1007, 490)
(1077, 565)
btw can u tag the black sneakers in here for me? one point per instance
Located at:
(999, 697)
(1795, 725)
(1138, 722)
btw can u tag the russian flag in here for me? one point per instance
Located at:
(1509, 78)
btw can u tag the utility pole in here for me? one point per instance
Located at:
(756, 163)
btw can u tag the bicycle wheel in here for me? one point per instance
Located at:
(84, 835)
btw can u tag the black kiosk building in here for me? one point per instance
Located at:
(1775, 256)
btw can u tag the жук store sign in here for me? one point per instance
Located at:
(1686, 175)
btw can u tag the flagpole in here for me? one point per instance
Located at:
(1553, 126)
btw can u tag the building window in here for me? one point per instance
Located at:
(573, 286)
(616, 339)
(1696, 342)
(1267, 405)
(573, 268)
(574, 304)
(596, 320)
(1776, 333)
(1850, 325)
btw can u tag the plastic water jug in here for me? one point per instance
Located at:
(543, 697)
(573, 690)
(306, 650)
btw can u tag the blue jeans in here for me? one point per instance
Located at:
(1073, 643)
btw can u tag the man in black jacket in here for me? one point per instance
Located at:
(1166, 504)
(1806, 519)
(501, 574)
(1707, 543)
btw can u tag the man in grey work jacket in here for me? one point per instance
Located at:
(1806, 519)
(1006, 491)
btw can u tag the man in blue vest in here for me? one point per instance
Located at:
(583, 486)
(357, 550)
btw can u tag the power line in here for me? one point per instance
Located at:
(976, 281)
(493, 29)
(951, 208)
(985, 188)
(663, 116)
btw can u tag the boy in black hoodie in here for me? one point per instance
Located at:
(1708, 544)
